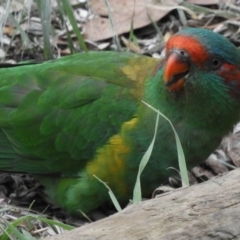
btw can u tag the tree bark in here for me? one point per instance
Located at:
(210, 210)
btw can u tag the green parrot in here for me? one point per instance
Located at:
(69, 119)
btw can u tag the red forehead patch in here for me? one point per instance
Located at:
(196, 51)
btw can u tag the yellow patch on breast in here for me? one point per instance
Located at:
(110, 161)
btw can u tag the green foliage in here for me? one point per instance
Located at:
(69, 12)
(44, 8)
(137, 192)
(181, 157)
(111, 194)
(12, 228)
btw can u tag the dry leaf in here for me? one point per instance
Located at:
(217, 166)
(204, 2)
(233, 148)
(122, 13)
(201, 173)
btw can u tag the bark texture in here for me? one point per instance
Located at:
(210, 210)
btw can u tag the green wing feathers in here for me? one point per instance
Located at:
(54, 115)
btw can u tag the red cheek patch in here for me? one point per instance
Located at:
(231, 75)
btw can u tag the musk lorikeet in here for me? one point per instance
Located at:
(82, 115)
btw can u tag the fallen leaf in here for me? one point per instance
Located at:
(204, 2)
(116, 17)
(233, 148)
(216, 165)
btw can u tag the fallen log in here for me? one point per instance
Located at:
(210, 210)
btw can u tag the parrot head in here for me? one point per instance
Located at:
(202, 71)
(203, 51)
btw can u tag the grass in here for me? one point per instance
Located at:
(181, 157)
(137, 192)
(24, 227)
(69, 13)
(44, 8)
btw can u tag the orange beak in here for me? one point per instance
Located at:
(177, 67)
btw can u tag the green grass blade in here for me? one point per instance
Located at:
(137, 194)
(54, 222)
(182, 17)
(111, 194)
(61, 16)
(12, 229)
(24, 36)
(44, 8)
(181, 157)
(131, 33)
(5, 235)
(227, 164)
(115, 36)
(159, 33)
(85, 215)
(3, 19)
(27, 235)
(69, 11)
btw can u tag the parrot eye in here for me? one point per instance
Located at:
(216, 63)
(183, 53)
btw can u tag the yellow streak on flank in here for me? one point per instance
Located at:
(110, 161)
